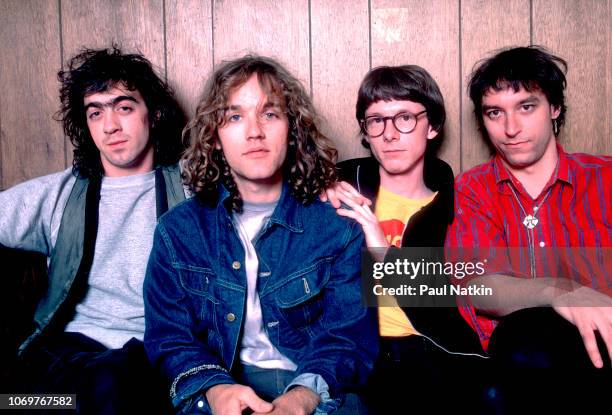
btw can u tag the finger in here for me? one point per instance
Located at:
(350, 200)
(333, 197)
(251, 400)
(375, 237)
(363, 210)
(353, 215)
(348, 193)
(606, 335)
(361, 199)
(590, 344)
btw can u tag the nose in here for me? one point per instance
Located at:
(390, 133)
(513, 125)
(111, 124)
(254, 129)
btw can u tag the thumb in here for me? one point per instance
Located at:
(251, 400)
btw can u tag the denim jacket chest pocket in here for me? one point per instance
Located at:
(300, 298)
(197, 281)
(199, 285)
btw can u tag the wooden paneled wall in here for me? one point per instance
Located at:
(329, 45)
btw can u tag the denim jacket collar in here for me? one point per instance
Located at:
(288, 212)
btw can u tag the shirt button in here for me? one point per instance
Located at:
(200, 404)
(542, 244)
(230, 317)
(236, 265)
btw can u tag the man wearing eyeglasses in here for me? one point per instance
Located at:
(403, 197)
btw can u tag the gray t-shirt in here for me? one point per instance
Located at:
(112, 311)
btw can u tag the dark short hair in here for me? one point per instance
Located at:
(93, 71)
(309, 166)
(403, 83)
(532, 68)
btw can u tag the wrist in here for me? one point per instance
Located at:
(215, 390)
(305, 397)
(553, 294)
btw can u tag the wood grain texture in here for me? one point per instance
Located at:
(340, 60)
(189, 48)
(483, 30)
(335, 43)
(32, 142)
(577, 30)
(425, 34)
(278, 29)
(136, 25)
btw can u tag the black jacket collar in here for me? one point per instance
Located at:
(364, 175)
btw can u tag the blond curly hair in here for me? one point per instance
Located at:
(309, 166)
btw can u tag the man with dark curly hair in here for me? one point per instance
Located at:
(252, 293)
(540, 217)
(95, 222)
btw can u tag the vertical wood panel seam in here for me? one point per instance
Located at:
(165, 29)
(310, 48)
(212, 33)
(370, 34)
(530, 22)
(61, 52)
(460, 40)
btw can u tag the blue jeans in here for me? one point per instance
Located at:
(105, 381)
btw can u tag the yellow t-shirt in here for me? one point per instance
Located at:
(393, 213)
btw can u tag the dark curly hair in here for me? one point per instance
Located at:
(309, 166)
(93, 71)
(531, 67)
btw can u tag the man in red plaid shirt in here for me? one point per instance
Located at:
(549, 211)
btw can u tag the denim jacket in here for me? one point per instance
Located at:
(309, 289)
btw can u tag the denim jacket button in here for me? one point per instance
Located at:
(236, 265)
(230, 317)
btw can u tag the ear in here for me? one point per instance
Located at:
(155, 118)
(554, 112)
(431, 133)
(218, 144)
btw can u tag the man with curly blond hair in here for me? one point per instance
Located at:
(252, 293)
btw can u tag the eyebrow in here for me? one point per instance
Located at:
(111, 103)
(266, 106)
(378, 114)
(532, 99)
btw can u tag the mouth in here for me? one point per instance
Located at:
(255, 152)
(515, 144)
(116, 143)
(393, 151)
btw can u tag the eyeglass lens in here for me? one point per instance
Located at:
(404, 122)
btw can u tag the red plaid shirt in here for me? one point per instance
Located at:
(575, 211)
